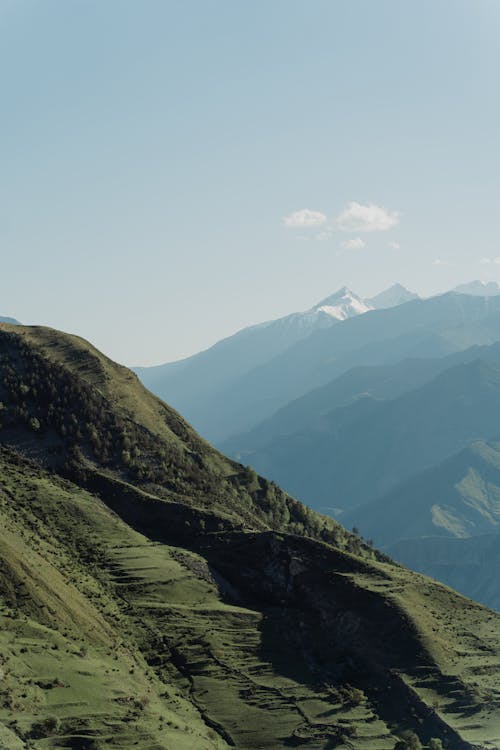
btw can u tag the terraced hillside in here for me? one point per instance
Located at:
(169, 598)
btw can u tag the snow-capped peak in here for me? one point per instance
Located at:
(341, 305)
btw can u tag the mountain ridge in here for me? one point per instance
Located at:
(137, 544)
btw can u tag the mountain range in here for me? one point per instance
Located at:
(376, 419)
(242, 380)
(156, 594)
(194, 384)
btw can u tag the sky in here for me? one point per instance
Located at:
(172, 171)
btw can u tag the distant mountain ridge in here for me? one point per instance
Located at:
(396, 295)
(479, 288)
(363, 450)
(190, 384)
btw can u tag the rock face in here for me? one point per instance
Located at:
(164, 596)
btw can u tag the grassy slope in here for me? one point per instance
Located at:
(123, 640)
(96, 421)
(459, 497)
(468, 565)
(238, 635)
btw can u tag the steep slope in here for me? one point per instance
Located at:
(256, 641)
(172, 612)
(75, 410)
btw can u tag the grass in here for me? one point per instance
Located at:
(145, 617)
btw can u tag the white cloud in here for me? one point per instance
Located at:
(370, 218)
(486, 261)
(394, 246)
(355, 244)
(304, 218)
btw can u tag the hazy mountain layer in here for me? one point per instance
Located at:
(468, 565)
(382, 383)
(458, 498)
(199, 385)
(392, 297)
(190, 381)
(363, 450)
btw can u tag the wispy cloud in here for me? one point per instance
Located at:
(441, 262)
(394, 246)
(304, 218)
(366, 218)
(487, 261)
(355, 244)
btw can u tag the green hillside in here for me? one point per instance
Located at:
(469, 565)
(154, 594)
(458, 498)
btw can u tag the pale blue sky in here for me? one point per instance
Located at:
(150, 150)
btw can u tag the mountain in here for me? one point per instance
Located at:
(421, 328)
(357, 452)
(458, 497)
(13, 321)
(190, 383)
(445, 522)
(469, 565)
(155, 594)
(479, 288)
(392, 297)
(342, 305)
(380, 383)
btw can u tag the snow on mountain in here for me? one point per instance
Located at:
(478, 288)
(342, 305)
(396, 295)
